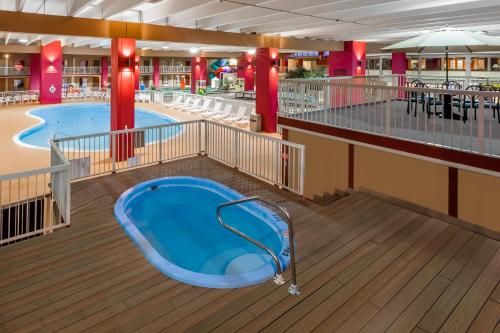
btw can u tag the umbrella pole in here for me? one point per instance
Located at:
(446, 67)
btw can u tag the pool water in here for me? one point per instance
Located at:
(69, 120)
(173, 220)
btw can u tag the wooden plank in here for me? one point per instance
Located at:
(358, 319)
(470, 305)
(487, 319)
(447, 302)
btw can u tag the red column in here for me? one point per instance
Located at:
(122, 95)
(246, 71)
(399, 67)
(199, 67)
(399, 63)
(104, 72)
(137, 72)
(267, 88)
(35, 71)
(350, 62)
(156, 72)
(51, 73)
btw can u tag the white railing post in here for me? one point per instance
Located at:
(480, 125)
(160, 144)
(237, 150)
(388, 102)
(113, 157)
(302, 164)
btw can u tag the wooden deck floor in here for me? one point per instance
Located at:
(365, 265)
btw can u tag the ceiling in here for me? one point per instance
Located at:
(381, 21)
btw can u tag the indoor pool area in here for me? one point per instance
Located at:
(74, 120)
(242, 166)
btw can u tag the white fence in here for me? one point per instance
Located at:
(82, 70)
(17, 97)
(13, 71)
(34, 202)
(457, 119)
(175, 69)
(272, 160)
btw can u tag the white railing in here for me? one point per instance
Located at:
(272, 160)
(18, 97)
(146, 69)
(175, 69)
(438, 117)
(438, 81)
(34, 202)
(173, 95)
(85, 93)
(82, 70)
(13, 71)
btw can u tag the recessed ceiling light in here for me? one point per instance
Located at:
(193, 50)
(23, 40)
(251, 51)
(165, 47)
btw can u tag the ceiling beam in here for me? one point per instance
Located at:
(7, 38)
(116, 7)
(20, 5)
(79, 6)
(75, 26)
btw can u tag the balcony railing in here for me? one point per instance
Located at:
(465, 120)
(13, 71)
(175, 69)
(81, 70)
(146, 69)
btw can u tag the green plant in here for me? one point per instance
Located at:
(301, 73)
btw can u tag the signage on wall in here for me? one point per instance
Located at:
(52, 89)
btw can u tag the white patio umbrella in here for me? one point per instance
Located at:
(446, 40)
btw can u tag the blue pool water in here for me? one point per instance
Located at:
(66, 120)
(173, 221)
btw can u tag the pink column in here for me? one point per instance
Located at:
(104, 72)
(122, 95)
(246, 71)
(137, 72)
(350, 62)
(35, 71)
(399, 68)
(399, 63)
(51, 73)
(156, 72)
(267, 88)
(199, 67)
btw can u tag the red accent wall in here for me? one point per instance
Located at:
(246, 70)
(137, 72)
(35, 71)
(104, 71)
(199, 66)
(399, 63)
(123, 93)
(156, 72)
(51, 73)
(350, 62)
(267, 88)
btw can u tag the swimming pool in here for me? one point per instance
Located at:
(65, 120)
(173, 221)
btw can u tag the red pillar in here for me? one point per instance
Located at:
(156, 72)
(51, 73)
(199, 67)
(399, 63)
(104, 72)
(137, 72)
(246, 71)
(350, 62)
(35, 71)
(122, 95)
(267, 88)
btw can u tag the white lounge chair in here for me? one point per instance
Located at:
(17, 99)
(33, 98)
(25, 98)
(186, 102)
(243, 121)
(2, 101)
(196, 104)
(240, 114)
(176, 101)
(8, 100)
(227, 112)
(215, 110)
(204, 107)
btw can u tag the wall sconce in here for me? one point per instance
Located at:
(360, 63)
(275, 62)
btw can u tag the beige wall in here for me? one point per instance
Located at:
(326, 168)
(416, 181)
(420, 182)
(479, 199)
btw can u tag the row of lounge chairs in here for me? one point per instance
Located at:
(85, 94)
(213, 109)
(18, 99)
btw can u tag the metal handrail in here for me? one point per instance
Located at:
(278, 279)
